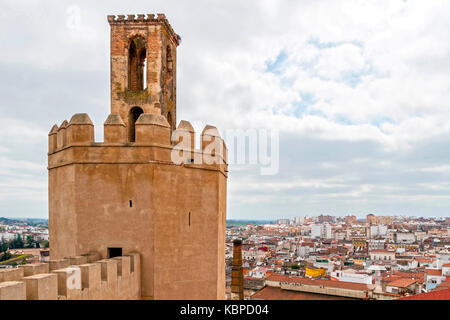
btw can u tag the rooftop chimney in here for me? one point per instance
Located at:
(237, 275)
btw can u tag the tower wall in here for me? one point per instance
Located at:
(132, 196)
(160, 94)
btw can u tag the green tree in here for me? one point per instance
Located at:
(4, 245)
(17, 242)
(5, 256)
(30, 243)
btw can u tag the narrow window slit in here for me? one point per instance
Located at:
(189, 219)
(131, 203)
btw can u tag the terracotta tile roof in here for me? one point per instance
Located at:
(253, 278)
(277, 277)
(442, 286)
(416, 275)
(434, 272)
(319, 282)
(433, 295)
(273, 293)
(381, 251)
(390, 278)
(446, 265)
(424, 260)
(402, 282)
(308, 244)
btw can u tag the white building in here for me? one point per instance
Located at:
(322, 231)
(378, 231)
(352, 277)
(283, 221)
(7, 236)
(316, 231)
(299, 220)
(441, 260)
(382, 255)
(376, 244)
(433, 278)
(405, 237)
(340, 235)
(446, 270)
(258, 272)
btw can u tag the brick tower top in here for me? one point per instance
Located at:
(143, 68)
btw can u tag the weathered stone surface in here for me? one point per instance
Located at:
(14, 274)
(128, 193)
(42, 286)
(58, 264)
(12, 290)
(36, 268)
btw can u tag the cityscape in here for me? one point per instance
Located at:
(307, 257)
(23, 241)
(327, 257)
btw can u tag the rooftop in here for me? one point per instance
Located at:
(402, 282)
(319, 282)
(433, 295)
(433, 272)
(273, 293)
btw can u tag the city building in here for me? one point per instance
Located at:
(322, 231)
(371, 219)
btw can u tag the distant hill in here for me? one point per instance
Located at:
(233, 222)
(29, 221)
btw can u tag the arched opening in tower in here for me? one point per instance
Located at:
(169, 76)
(134, 114)
(169, 60)
(137, 65)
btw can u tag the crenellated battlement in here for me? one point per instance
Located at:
(146, 19)
(83, 277)
(74, 142)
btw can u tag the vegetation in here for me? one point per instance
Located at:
(5, 256)
(18, 243)
(135, 97)
(28, 221)
(16, 258)
(3, 246)
(31, 243)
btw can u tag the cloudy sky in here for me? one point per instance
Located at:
(359, 92)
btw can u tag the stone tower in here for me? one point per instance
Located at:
(129, 194)
(143, 68)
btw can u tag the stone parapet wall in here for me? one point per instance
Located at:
(144, 19)
(75, 278)
(73, 142)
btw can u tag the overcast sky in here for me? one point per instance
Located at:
(359, 91)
